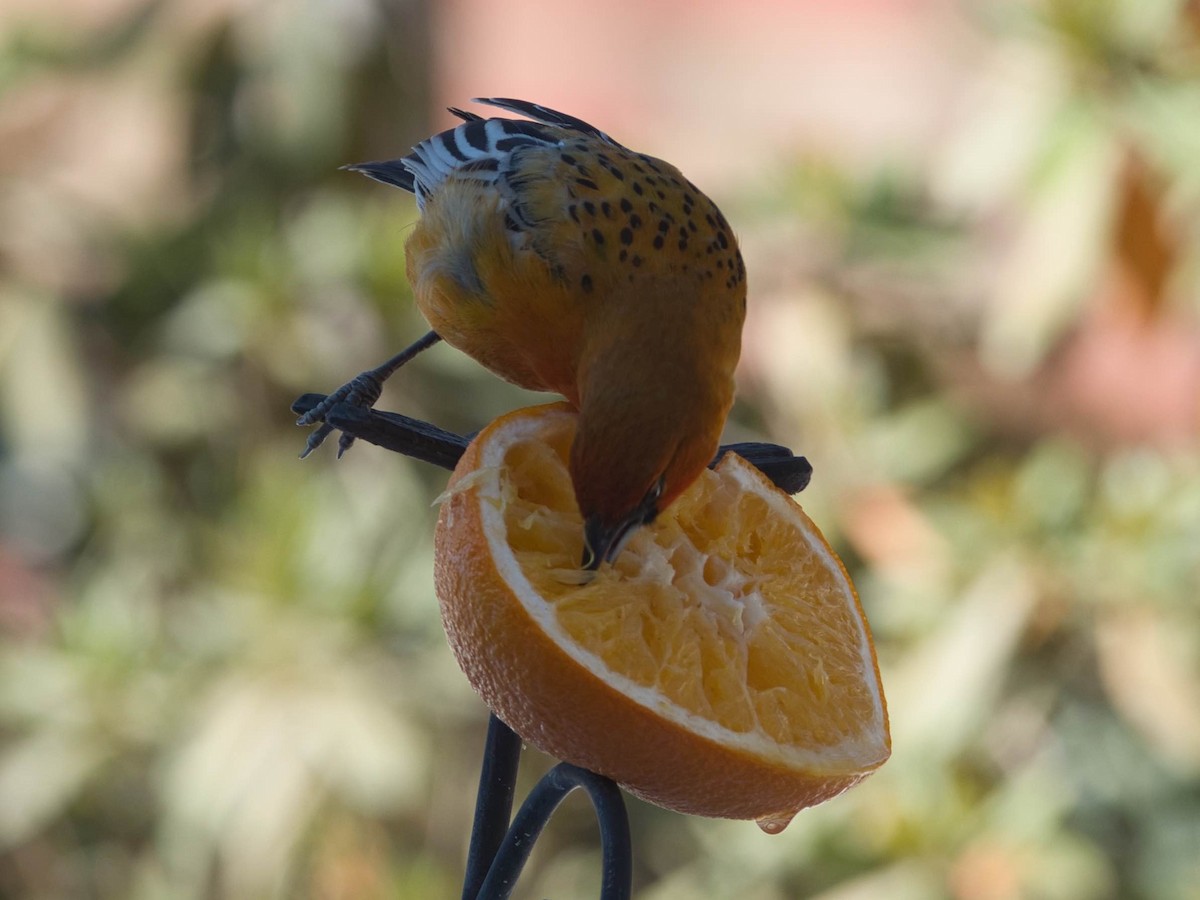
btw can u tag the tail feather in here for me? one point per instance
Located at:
(477, 147)
(388, 171)
(545, 114)
(463, 114)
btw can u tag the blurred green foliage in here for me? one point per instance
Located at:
(221, 670)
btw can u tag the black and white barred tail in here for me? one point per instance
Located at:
(476, 148)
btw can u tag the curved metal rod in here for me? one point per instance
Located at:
(493, 803)
(431, 444)
(498, 853)
(616, 845)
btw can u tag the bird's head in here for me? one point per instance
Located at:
(655, 384)
(631, 460)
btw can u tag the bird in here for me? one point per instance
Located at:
(565, 262)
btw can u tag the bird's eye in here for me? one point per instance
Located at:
(648, 510)
(656, 490)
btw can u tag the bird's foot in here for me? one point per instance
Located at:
(361, 391)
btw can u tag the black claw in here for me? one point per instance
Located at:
(316, 439)
(360, 392)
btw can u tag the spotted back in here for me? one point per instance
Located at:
(593, 209)
(631, 215)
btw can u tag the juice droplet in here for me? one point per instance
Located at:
(775, 824)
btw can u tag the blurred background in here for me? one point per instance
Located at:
(973, 236)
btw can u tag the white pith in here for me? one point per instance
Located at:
(726, 588)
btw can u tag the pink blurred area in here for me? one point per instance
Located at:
(720, 89)
(736, 95)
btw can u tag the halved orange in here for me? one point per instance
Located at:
(721, 666)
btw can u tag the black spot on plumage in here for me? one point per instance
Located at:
(655, 208)
(661, 195)
(627, 236)
(637, 260)
(626, 206)
(651, 180)
(650, 162)
(573, 213)
(639, 169)
(637, 188)
(567, 158)
(683, 244)
(606, 208)
(590, 207)
(720, 263)
(712, 223)
(691, 226)
(687, 209)
(518, 182)
(664, 226)
(658, 242)
(616, 173)
(624, 255)
(635, 221)
(587, 183)
(597, 236)
(688, 199)
(682, 233)
(722, 240)
(586, 283)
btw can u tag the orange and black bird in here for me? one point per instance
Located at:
(563, 261)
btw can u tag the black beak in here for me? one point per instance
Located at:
(602, 544)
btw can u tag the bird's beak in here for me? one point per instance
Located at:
(602, 544)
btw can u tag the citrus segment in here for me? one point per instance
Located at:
(721, 665)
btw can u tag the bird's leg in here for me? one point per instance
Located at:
(362, 390)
